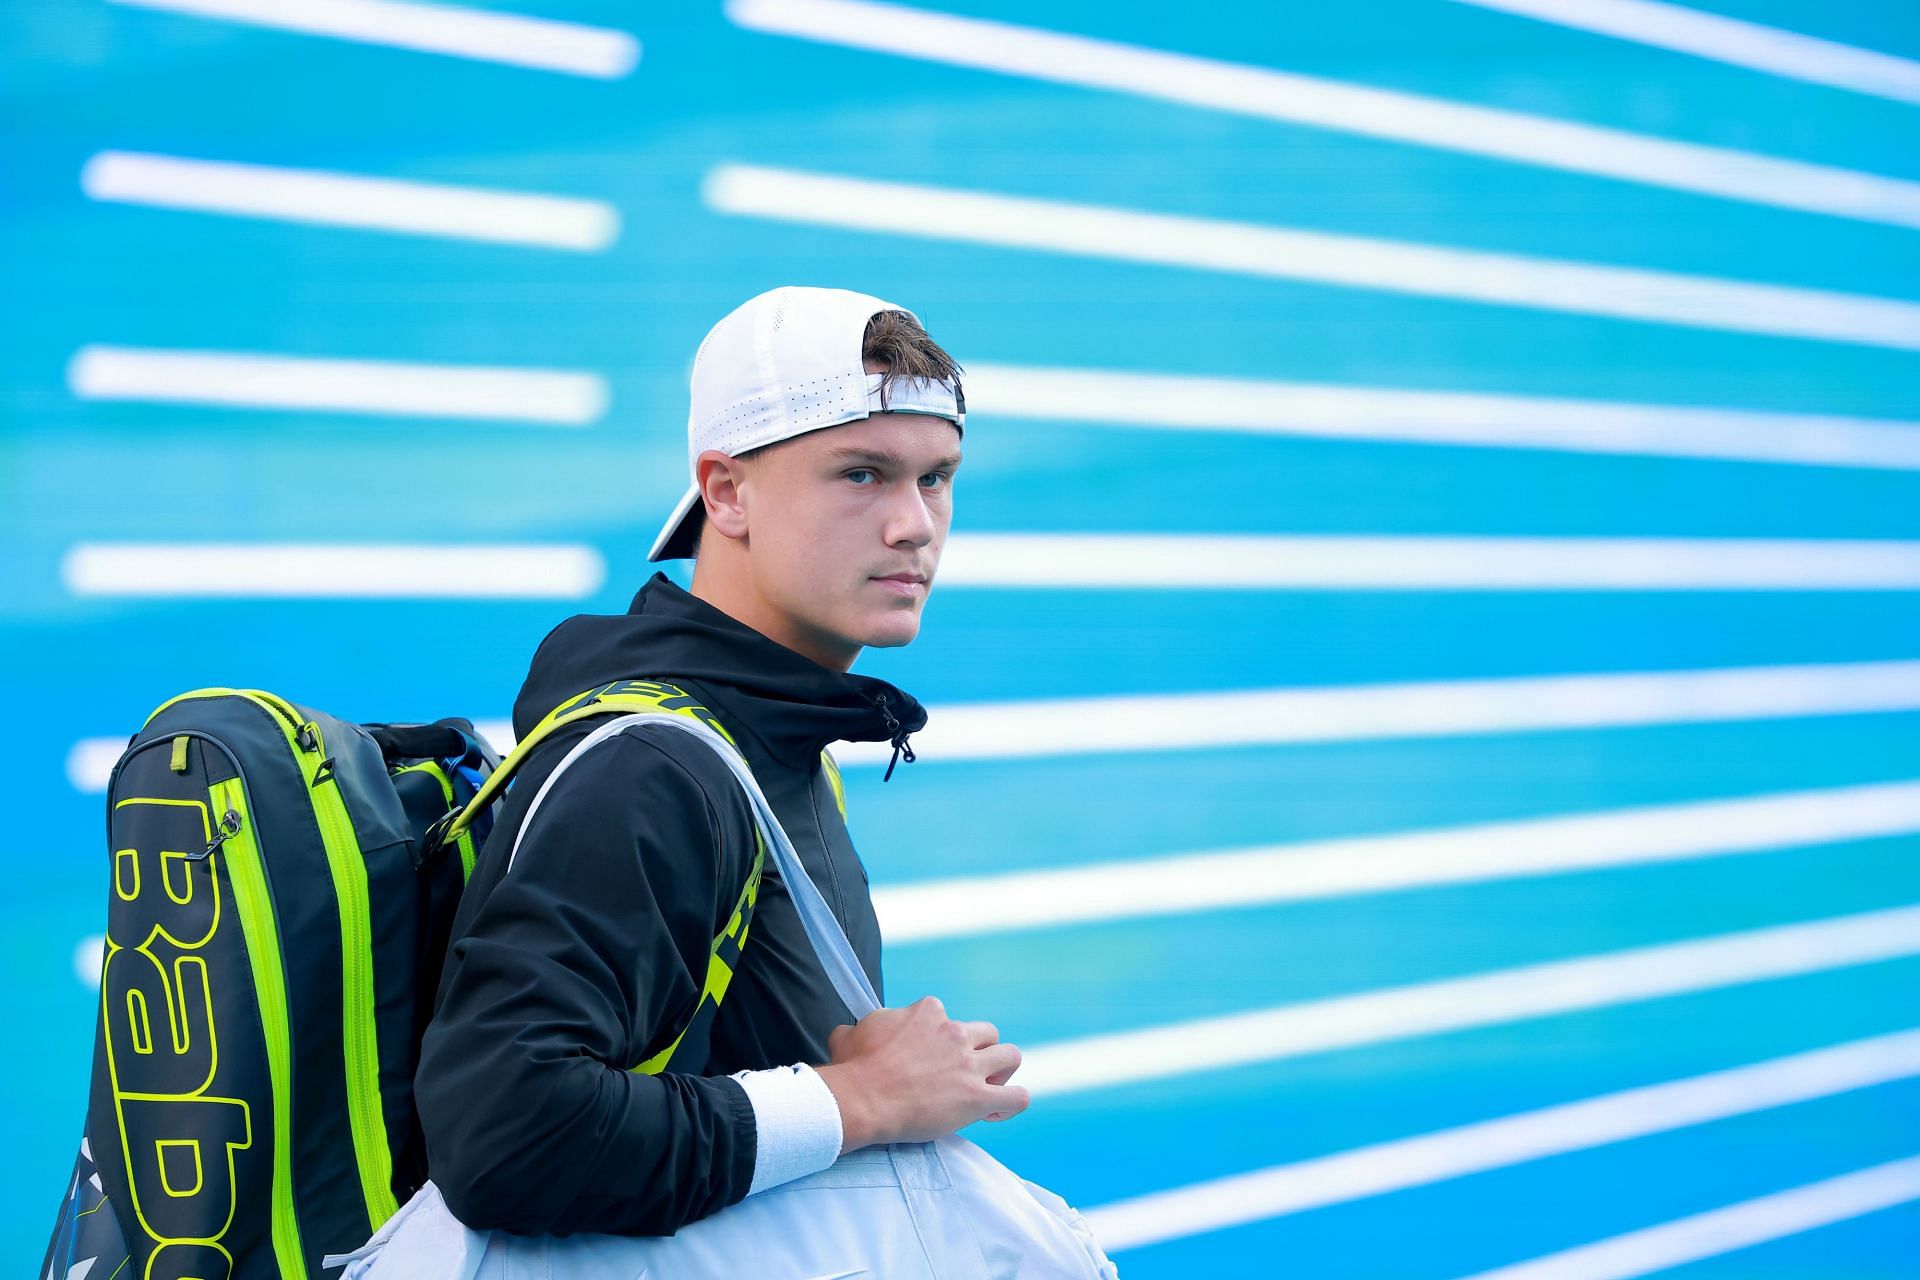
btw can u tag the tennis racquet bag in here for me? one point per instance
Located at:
(274, 938)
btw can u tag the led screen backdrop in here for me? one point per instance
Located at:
(1425, 682)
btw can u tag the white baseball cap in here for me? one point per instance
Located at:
(780, 365)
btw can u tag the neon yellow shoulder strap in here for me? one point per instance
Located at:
(610, 699)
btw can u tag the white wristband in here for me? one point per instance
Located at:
(796, 1121)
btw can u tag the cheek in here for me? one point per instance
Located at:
(815, 548)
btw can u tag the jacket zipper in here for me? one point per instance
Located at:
(826, 848)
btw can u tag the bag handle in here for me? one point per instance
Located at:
(452, 738)
(829, 941)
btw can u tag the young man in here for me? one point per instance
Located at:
(824, 434)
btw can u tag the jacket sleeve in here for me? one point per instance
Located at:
(584, 957)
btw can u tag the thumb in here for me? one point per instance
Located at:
(1010, 1101)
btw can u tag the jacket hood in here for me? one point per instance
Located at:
(792, 703)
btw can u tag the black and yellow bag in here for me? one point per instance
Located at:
(273, 940)
(283, 885)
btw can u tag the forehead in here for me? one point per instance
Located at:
(918, 438)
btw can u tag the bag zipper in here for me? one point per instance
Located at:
(253, 899)
(365, 1115)
(228, 828)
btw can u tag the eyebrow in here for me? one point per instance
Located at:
(881, 457)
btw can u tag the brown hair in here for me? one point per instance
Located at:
(896, 340)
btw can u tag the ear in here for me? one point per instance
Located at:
(721, 478)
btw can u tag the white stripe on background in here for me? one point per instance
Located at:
(461, 32)
(1511, 1140)
(1335, 104)
(1111, 397)
(1399, 563)
(498, 733)
(1236, 878)
(350, 200)
(1720, 1231)
(1271, 717)
(90, 761)
(1442, 708)
(88, 955)
(1395, 266)
(1729, 40)
(1480, 1000)
(258, 381)
(370, 571)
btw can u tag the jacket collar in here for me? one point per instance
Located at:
(787, 701)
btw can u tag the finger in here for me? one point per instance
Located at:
(1007, 1101)
(981, 1034)
(999, 1061)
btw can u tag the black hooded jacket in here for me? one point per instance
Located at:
(591, 955)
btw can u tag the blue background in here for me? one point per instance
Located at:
(78, 77)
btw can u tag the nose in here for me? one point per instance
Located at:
(910, 521)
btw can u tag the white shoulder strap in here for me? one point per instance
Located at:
(823, 931)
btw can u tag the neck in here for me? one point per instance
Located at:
(725, 582)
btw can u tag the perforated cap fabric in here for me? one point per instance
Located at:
(779, 365)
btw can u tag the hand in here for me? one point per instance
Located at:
(913, 1074)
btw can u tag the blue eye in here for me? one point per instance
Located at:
(859, 471)
(940, 476)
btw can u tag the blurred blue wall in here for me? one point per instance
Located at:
(1516, 281)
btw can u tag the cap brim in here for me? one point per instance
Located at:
(677, 535)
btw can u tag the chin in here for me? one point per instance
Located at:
(893, 633)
